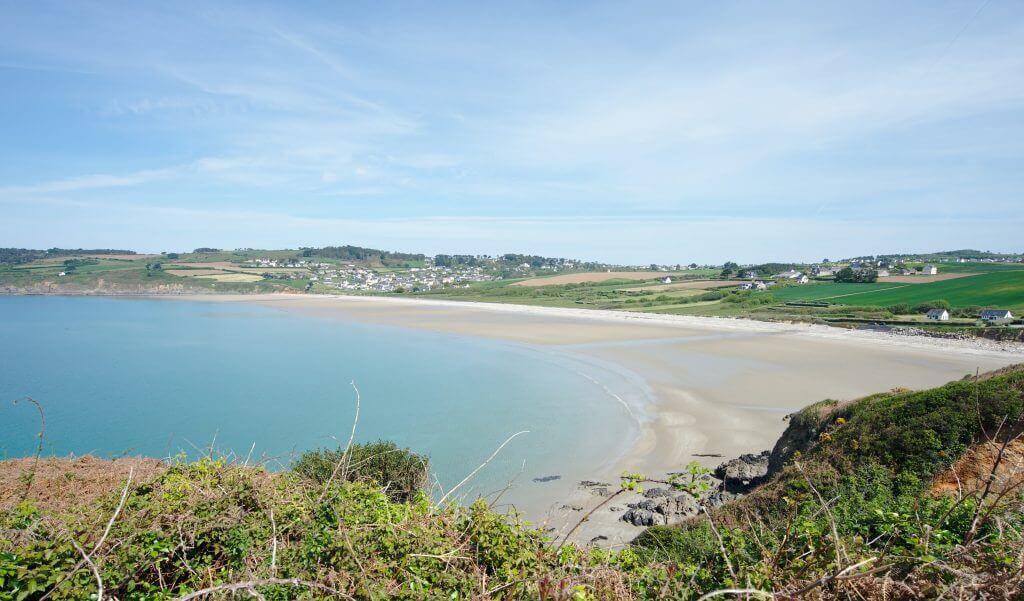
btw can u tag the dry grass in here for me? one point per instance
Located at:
(193, 273)
(207, 265)
(596, 276)
(688, 285)
(61, 484)
(122, 257)
(232, 277)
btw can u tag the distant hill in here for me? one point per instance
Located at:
(18, 256)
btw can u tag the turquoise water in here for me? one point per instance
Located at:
(156, 377)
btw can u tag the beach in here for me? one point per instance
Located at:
(708, 389)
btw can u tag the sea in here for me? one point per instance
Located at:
(249, 383)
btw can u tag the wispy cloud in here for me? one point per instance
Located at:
(728, 111)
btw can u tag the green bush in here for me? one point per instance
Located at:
(400, 472)
(929, 305)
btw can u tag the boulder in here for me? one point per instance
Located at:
(643, 517)
(743, 473)
(661, 509)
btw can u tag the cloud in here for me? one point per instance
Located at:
(721, 112)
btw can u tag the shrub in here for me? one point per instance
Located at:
(400, 472)
(929, 305)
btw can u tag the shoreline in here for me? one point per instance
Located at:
(716, 387)
(982, 345)
(704, 389)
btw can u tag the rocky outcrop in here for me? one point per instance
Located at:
(743, 473)
(661, 506)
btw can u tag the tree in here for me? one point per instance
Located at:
(848, 274)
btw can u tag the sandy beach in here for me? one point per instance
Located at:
(710, 387)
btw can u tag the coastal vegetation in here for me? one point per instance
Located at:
(849, 297)
(899, 495)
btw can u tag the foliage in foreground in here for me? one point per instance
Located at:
(850, 514)
(399, 472)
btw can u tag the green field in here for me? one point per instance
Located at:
(999, 288)
(977, 267)
(828, 290)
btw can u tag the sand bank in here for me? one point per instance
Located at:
(712, 386)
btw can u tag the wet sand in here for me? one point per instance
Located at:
(711, 386)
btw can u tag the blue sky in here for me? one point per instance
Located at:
(639, 132)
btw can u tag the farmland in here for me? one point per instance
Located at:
(603, 276)
(997, 288)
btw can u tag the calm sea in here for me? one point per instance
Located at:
(157, 377)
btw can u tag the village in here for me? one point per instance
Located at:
(351, 277)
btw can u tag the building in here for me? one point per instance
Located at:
(883, 273)
(938, 314)
(666, 281)
(802, 279)
(930, 270)
(996, 316)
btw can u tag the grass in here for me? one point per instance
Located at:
(828, 291)
(997, 288)
(978, 267)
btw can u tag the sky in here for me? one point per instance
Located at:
(622, 132)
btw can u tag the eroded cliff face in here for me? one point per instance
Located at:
(805, 426)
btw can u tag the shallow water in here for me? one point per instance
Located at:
(158, 377)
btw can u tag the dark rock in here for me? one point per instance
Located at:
(643, 517)
(743, 473)
(598, 538)
(662, 509)
(652, 493)
(572, 507)
(593, 484)
(547, 478)
(720, 497)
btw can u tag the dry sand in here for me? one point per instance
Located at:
(715, 386)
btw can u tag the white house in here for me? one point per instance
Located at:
(802, 279)
(792, 274)
(930, 270)
(996, 316)
(883, 273)
(938, 314)
(667, 280)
